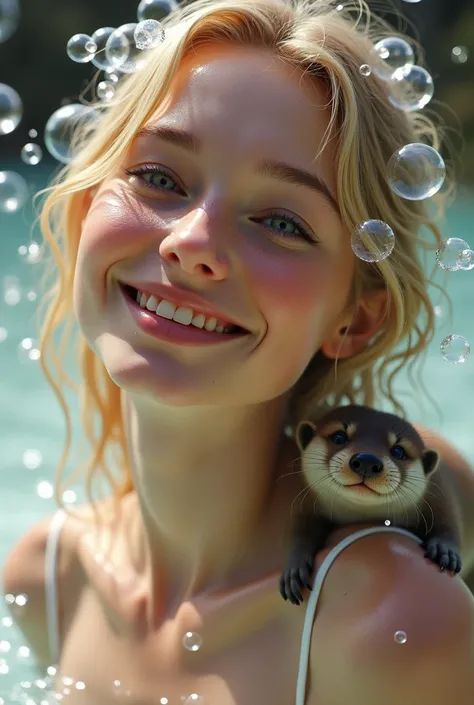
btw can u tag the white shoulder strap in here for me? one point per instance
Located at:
(314, 596)
(52, 607)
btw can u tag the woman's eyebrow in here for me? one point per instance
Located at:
(271, 168)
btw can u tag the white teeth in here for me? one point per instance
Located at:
(165, 309)
(152, 303)
(199, 320)
(210, 324)
(181, 314)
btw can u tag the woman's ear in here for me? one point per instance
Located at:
(356, 329)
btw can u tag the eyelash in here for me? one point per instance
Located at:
(143, 170)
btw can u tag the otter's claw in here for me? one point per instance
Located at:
(296, 576)
(444, 553)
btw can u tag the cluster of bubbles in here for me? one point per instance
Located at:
(50, 688)
(415, 172)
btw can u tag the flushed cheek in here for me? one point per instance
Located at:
(117, 226)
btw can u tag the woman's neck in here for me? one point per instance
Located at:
(205, 480)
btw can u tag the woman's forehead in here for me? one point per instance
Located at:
(243, 98)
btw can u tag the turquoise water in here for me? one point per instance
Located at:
(31, 425)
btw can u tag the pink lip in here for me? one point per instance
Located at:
(183, 298)
(173, 332)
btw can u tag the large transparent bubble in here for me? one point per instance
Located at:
(121, 49)
(11, 109)
(373, 241)
(9, 18)
(416, 171)
(390, 54)
(100, 39)
(13, 191)
(455, 349)
(81, 49)
(452, 254)
(155, 9)
(60, 128)
(148, 34)
(411, 88)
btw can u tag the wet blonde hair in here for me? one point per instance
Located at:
(327, 45)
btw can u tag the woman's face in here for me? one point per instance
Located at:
(216, 221)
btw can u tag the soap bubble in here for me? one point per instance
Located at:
(148, 34)
(459, 55)
(100, 39)
(390, 54)
(113, 74)
(31, 154)
(13, 192)
(61, 126)
(412, 1)
(450, 253)
(11, 109)
(192, 641)
(387, 522)
(155, 9)
(365, 70)
(11, 291)
(373, 241)
(45, 489)
(400, 637)
(416, 172)
(455, 349)
(81, 49)
(194, 699)
(412, 88)
(30, 254)
(105, 91)
(122, 51)
(9, 18)
(32, 459)
(28, 350)
(466, 260)
(33, 133)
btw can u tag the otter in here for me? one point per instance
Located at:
(363, 465)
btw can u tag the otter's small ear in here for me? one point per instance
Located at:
(430, 459)
(304, 434)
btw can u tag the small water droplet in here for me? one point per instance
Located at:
(192, 641)
(400, 637)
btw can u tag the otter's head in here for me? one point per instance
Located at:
(364, 464)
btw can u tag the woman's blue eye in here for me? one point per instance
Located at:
(152, 171)
(398, 452)
(294, 223)
(339, 437)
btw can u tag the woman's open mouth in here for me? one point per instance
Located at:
(165, 319)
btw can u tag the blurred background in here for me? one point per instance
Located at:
(34, 63)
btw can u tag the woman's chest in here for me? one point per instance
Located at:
(245, 653)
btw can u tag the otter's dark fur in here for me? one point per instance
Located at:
(363, 465)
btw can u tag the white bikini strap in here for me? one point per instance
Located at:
(314, 596)
(52, 606)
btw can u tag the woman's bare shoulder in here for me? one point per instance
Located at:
(24, 573)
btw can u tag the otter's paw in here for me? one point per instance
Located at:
(296, 575)
(444, 552)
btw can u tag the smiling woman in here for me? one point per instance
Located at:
(220, 189)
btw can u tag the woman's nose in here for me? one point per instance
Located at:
(196, 247)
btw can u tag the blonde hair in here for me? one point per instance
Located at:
(327, 45)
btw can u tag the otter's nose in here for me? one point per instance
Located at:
(366, 464)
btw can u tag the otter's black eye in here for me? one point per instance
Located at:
(339, 437)
(399, 453)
